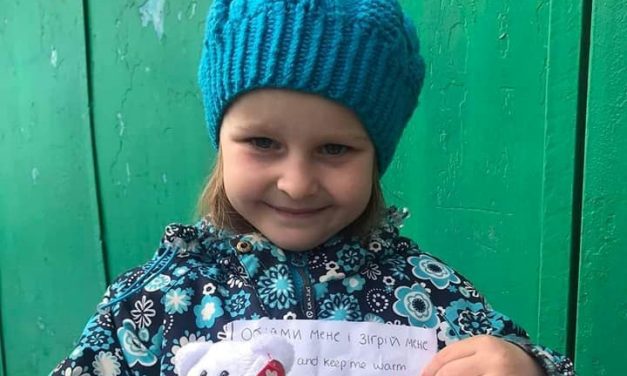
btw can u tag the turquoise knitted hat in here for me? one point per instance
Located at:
(363, 54)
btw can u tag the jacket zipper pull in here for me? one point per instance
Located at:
(308, 302)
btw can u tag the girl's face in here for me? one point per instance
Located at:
(296, 166)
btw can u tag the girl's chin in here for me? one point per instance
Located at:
(296, 243)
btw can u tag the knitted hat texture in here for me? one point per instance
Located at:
(363, 54)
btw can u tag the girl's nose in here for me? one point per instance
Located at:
(298, 180)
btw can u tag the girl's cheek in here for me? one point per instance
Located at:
(346, 183)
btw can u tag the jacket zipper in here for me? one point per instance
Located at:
(302, 283)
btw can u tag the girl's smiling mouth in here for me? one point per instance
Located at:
(296, 212)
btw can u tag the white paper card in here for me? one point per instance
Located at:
(339, 348)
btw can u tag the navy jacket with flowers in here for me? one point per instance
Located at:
(202, 278)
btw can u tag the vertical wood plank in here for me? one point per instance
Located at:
(486, 163)
(1, 359)
(50, 253)
(558, 171)
(602, 303)
(2, 354)
(153, 150)
(2, 372)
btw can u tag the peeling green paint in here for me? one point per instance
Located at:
(152, 12)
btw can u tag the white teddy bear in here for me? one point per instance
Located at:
(264, 355)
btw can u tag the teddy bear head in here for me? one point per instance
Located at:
(264, 355)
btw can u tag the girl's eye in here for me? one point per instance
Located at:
(335, 149)
(262, 142)
(224, 373)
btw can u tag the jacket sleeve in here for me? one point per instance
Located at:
(98, 349)
(553, 363)
(110, 344)
(464, 312)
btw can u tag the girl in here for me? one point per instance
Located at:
(305, 102)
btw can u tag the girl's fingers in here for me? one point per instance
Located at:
(468, 366)
(456, 351)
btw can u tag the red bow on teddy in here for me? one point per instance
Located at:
(273, 368)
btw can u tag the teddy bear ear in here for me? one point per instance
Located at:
(278, 347)
(189, 355)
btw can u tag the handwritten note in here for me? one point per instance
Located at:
(336, 348)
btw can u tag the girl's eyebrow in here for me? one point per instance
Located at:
(254, 127)
(268, 128)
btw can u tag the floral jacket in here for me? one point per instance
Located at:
(202, 278)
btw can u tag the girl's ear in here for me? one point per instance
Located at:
(189, 355)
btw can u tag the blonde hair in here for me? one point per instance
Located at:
(214, 203)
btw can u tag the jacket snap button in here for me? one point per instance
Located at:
(243, 247)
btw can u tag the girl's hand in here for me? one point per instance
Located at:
(482, 355)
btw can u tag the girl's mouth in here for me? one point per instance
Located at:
(297, 212)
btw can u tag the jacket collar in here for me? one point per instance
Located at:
(336, 258)
(332, 260)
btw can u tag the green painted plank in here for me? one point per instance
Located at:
(486, 164)
(153, 151)
(560, 119)
(1, 359)
(50, 254)
(602, 303)
(2, 373)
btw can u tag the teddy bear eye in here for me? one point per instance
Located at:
(224, 373)
(203, 373)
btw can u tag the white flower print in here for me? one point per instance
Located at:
(106, 364)
(143, 312)
(446, 334)
(332, 272)
(235, 281)
(318, 261)
(105, 320)
(375, 246)
(389, 280)
(331, 275)
(75, 371)
(209, 289)
(289, 316)
(377, 301)
(184, 341)
(372, 271)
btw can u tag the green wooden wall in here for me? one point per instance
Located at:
(489, 159)
(50, 249)
(512, 166)
(602, 295)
